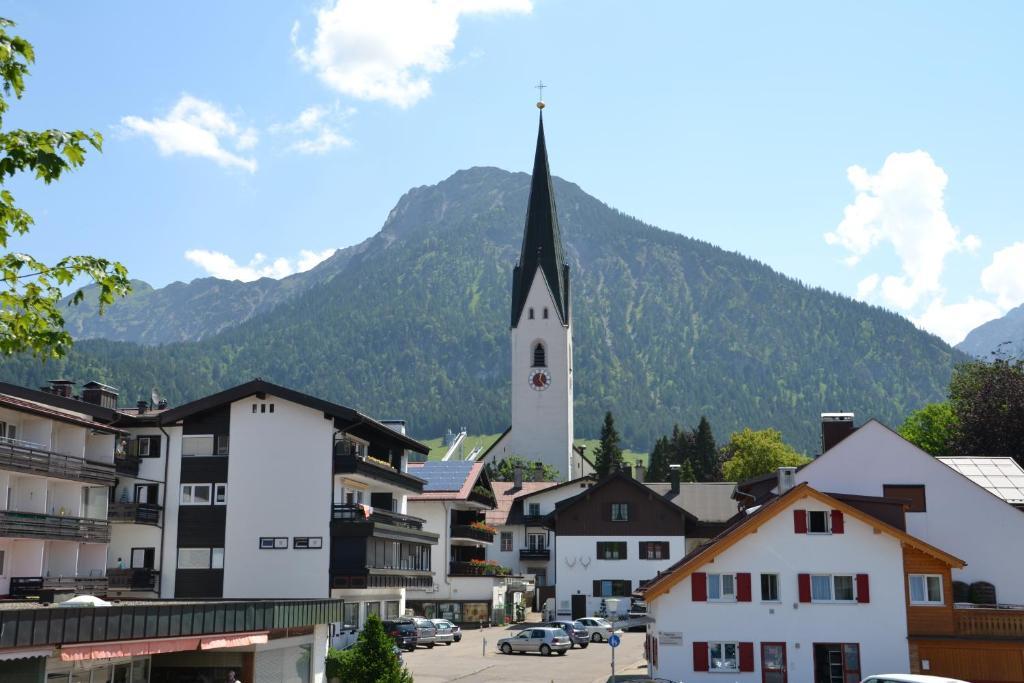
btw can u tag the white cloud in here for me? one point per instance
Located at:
(867, 286)
(223, 266)
(316, 129)
(903, 206)
(1004, 277)
(952, 322)
(388, 49)
(197, 128)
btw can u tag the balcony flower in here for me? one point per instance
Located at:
(483, 526)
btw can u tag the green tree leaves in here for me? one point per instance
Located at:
(30, 319)
(932, 429)
(752, 453)
(504, 469)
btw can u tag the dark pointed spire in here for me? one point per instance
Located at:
(542, 241)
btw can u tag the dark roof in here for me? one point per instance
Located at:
(60, 416)
(542, 241)
(562, 505)
(259, 386)
(62, 402)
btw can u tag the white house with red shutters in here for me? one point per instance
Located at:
(807, 587)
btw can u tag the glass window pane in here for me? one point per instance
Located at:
(193, 558)
(851, 657)
(916, 589)
(730, 655)
(934, 589)
(714, 587)
(140, 671)
(728, 585)
(217, 558)
(197, 445)
(201, 493)
(821, 587)
(844, 587)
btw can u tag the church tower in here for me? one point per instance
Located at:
(541, 331)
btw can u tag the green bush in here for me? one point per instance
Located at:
(372, 660)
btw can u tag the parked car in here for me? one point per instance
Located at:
(540, 639)
(426, 632)
(577, 632)
(443, 632)
(404, 632)
(909, 678)
(599, 629)
(456, 630)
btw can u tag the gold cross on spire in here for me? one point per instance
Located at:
(540, 94)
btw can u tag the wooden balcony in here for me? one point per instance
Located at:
(376, 469)
(53, 527)
(468, 532)
(24, 456)
(127, 464)
(994, 622)
(472, 569)
(535, 554)
(145, 580)
(134, 513)
(39, 586)
(348, 521)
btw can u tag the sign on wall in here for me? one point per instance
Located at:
(670, 638)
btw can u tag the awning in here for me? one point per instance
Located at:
(25, 654)
(239, 640)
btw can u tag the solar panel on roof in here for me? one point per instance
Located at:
(444, 475)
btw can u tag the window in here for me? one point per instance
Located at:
(539, 357)
(197, 445)
(912, 493)
(220, 494)
(3, 561)
(611, 550)
(769, 587)
(195, 494)
(545, 312)
(193, 558)
(309, 543)
(653, 550)
(926, 589)
(829, 588)
(273, 542)
(536, 541)
(351, 614)
(613, 588)
(253, 408)
(391, 609)
(373, 609)
(531, 314)
(222, 444)
(817, 522)
(534, 510)
(620, 512)
(723, 656)
(722, 587)
(217, 558)
(143, 447)
(506, 541)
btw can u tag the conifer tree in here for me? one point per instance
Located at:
(657, 467)
(706, 463)
(373, 660)
(608, 454)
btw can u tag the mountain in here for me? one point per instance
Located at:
(1003, 337)
(414, 324)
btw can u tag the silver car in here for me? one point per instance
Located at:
(598, 628)
(444, 633)
(426, 632)
(542, 640)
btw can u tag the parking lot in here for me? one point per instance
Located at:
(466, 663)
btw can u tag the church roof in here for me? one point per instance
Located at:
(542, 241)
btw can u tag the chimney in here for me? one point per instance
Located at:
(673, 477)
(640, 470)
(100, 394)
(162, 405)
(786, 478)
(834, 428)
(626, 469)
(517, 477)
(62, 387)
(142, 406)
(538, 471)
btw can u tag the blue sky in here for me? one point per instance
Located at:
(869, 148)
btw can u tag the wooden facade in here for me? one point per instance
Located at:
(589, 513)
(928, 620)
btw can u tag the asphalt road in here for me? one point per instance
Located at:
(465, 663)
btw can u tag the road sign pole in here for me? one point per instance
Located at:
(613, 642)
(613, 665)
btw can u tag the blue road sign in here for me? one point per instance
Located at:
(614, 640)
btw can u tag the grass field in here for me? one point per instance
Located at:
(437, 451)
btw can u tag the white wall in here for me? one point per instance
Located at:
(64, 496)
(279, 484)
(167, 559)
(68, 439)
(880, 626)
(99, 447)
(29, 494)
(124, 537)
(962, 518)
(92, 559)
(61, 558)
(26, 557)
(578, 567)
(542, 421)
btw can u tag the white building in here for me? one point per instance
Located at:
(804, 588)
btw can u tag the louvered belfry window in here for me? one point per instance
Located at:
(539, 356)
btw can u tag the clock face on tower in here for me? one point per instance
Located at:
(540, 379)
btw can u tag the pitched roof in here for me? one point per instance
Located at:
(1002, 477)
(542, 241)
(54, 414)
(707, 501)
(506, 492)
(618, 475)
(743, 525)
(447, 480)
(260, 386)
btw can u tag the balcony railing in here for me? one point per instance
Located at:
(989, 622)
(535, 554)
(53, 527)
(472, 533)
(134, 513)
(33, 586)
(366, 513)
(477, 569)
(134, 579)
(127, 464)
(25, 456)
(375, 468)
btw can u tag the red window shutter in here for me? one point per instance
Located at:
(743, 587)
(800, 521)
(837, 521)
(746, 656)
(700, 656)
(863, 590)
(699, 587)
(804, 584)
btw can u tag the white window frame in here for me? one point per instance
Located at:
(216, 558)
(3, 561)
(148, 445)
(624, 508)
(192, 439)
(778, 593)
(217, 488)
(220, 448)
(181, 550)
(927, 602)
(722, 595)
(721, 644)
(832, 588)
(189, 498)
(828, 522)
(506, 536)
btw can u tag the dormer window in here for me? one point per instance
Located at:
(539, 356)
